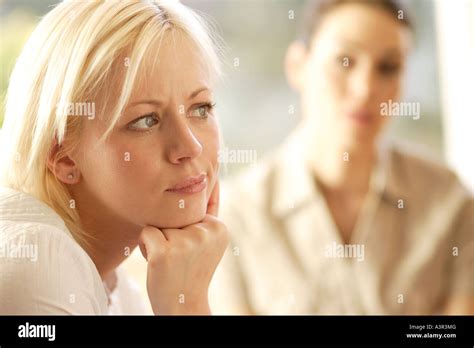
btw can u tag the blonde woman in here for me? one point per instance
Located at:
(110, 142)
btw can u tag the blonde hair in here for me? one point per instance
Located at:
(69, 58)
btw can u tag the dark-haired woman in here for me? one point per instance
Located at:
(339, 220)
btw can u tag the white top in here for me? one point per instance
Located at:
(43, 270)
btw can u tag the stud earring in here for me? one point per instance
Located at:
(70, 176)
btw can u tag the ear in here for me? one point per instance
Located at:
(62, 166)
(295, 61)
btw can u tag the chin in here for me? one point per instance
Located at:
(359, 136)
(181, 217)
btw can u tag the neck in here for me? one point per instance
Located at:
(110, 248)
(340, 166)
(112, 239)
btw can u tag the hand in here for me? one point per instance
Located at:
(181, 262)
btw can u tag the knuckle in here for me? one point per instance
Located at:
(200, 233)
(203, 235)
(157, 258)
(224, 237)
(185, 244)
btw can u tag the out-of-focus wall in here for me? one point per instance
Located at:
(455, 29)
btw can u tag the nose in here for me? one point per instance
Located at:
(363, 84)
(182, 142)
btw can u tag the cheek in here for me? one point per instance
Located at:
(328, 83)
(209, 138)
(129, 178)
(210, 141)
(389, 88)
(324, 96)
(394, 89)
(108, 163)
(119, 172)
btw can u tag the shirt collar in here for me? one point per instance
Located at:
(23, 207)
(295, 188)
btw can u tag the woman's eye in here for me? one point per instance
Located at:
(389, 68)
(202, 111)
(144, 123)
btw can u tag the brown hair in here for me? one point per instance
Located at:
(315, 10)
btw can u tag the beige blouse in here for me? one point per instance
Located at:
(412, 248)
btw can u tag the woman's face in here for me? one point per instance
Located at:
(355, 63)
(159, 165)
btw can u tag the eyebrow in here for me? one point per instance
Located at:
(158, 102)
(196, 92)
(391, 51)
(353, 44)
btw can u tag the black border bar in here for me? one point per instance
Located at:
(223, 330)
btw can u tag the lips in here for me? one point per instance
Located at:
(361, 117)
(192, 184)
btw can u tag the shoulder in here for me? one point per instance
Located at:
(424, 175)
(44, 270)
(248, 191)
(435, 197)
(253, 182)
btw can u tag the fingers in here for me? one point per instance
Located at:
(143, 250)
(213, 203)
(213, 228)
(152, 241)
